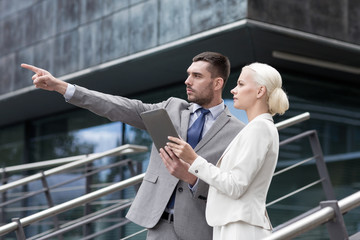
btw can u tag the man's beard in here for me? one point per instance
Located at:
(203, 100)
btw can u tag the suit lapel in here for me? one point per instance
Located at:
(184, 125)
(216, 127)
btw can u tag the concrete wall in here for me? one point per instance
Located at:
(64, 36)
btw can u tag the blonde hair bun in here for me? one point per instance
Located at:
(266, 75)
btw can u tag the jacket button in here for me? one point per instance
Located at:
(196, 171)
(180, 189)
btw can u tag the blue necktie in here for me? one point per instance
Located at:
(194, 135)
(195, 131)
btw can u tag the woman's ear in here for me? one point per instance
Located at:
(261, 92)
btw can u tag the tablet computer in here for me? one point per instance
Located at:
(159, 126)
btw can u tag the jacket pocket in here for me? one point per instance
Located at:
(149, 177)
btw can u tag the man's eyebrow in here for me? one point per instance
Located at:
(195, 73)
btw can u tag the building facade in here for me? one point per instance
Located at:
(142, 48)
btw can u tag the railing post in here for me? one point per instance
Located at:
(87, 206)
(20, 234)
(3, 195)
(133, 173)
(3, 198)
(50, 201)
(321, 166)
(46, 190)
(335, 227)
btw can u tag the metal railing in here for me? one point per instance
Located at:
(292, 121)
(337, 229)
(320, 164)
(72, 163)
(121, 150)
(329, 213)
(18, 224)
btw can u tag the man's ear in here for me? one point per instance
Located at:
(261, 91)
(219, 83)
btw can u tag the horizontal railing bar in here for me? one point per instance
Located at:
(125, 149)
(71, 204)
(22, 197)
(84, 220)
(42, 207)
(115, 226)
(100, 213)
(294, 192)
(320, 217)
(295, 219)
(297, 137)
(42, 164)
(292, 121)
(31, 208)
(93, 172)
(134, 234)
(46, 163)
(356, 236)
(294, 166)
(349, 202)
(303, 225)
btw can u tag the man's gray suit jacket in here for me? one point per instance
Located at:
(158, 183)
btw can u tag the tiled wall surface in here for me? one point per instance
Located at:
(65, 36)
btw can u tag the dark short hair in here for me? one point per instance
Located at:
(220, 64)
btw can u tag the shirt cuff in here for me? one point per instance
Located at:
(69, 93)
(193, 188)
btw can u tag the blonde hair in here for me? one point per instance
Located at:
(269, 77)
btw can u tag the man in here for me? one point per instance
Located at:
(183, 217)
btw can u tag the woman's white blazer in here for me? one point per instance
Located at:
(240, 181)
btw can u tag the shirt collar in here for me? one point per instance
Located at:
(215, 111)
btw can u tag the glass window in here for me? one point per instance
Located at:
(73, 133)
(12, 145)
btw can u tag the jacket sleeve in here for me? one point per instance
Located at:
(115, 108)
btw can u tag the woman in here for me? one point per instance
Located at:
(240, 181)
